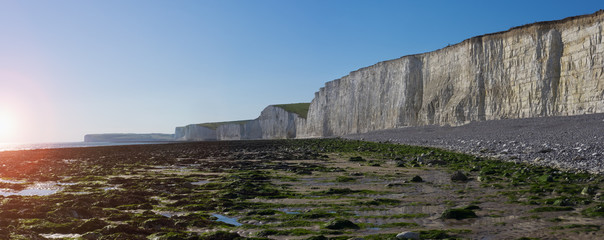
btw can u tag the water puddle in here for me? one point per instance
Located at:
(113, 187)
(60, 235)
(225, 219)
(202, 182)
(11, 181)
(288, 211)
(170, 214)
(35, 189)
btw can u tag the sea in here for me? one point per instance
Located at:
(31, 146)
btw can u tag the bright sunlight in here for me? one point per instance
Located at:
(7, 126)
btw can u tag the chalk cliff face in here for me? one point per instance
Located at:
(273, 123)
(543, 69)
(194, 132)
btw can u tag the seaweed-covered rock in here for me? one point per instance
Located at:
(459, 177)
(320, 237)
(588, 190)
(91, 236)
(416, 179)
(221, 235)
(356, 159)
(174, 236)
(546, 178)
(158, 223)
(407, 235)
(91, 225)
(122, 228)
(458, 214)
(341, 224)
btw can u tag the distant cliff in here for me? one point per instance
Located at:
(274, 122)
(543, 69)
(128, 137)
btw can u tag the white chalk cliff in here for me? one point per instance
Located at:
(543, 69)
(551, 68)
(274, 122)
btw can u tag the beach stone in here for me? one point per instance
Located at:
(588, 190)
(458, 214)
(91, 225)
(158, 223)
(459, 176)
(546, 178)
(91, 236)
(320, 237)
(121, 228)
(341, 224)
(417, 178)
(407, 235)
(222, 235)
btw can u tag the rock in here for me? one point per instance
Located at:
(221, 235)
(394, 185)
(458, 214)
(341, 224)
(320, 237)
(546, 178)
(459, 177)
(416, 179)
(122, 228)
(588, 190)
(91, 236)
(158, 223)
(91, 225)
(356, 159)
(472, 207)
(407, 235)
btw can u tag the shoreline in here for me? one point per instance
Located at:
(564, 142)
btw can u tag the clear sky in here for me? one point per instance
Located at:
(71, 67)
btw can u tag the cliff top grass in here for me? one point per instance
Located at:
(298, 108)
(215, 125)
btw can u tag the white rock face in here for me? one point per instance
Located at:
(229, 132)
(544, 69)
(194, 132)
(276, 123)
(273, 123)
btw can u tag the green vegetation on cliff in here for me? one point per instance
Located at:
(298, 108)
(215, 125)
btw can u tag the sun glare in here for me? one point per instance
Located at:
(7, 126)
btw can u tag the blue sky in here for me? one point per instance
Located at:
(68, 68)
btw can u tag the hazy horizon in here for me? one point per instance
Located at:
(70, 68)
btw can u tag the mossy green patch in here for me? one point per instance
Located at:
(215, 125)
(298, 108)
(551, 209)
(594, 211)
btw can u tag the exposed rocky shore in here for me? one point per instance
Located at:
(574, 142)
(289, 189)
